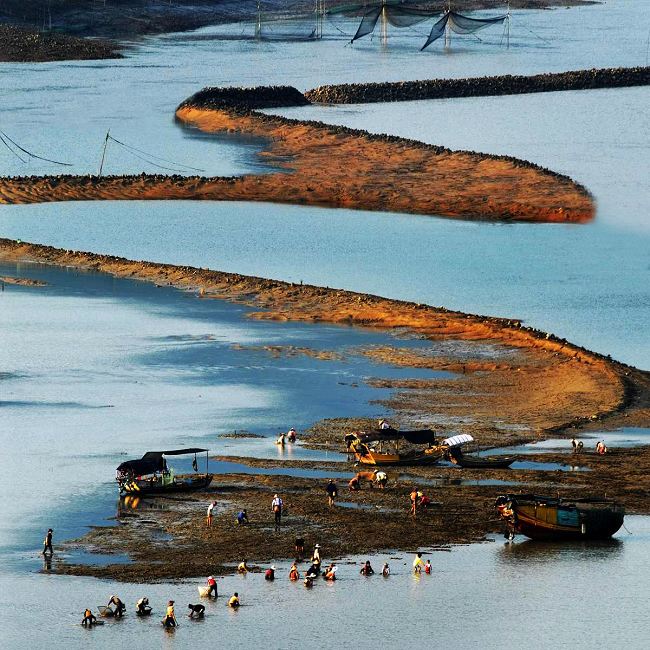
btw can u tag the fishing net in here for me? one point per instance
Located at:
(406, 17)
(368, 23)
(396, 13)
(460, 25)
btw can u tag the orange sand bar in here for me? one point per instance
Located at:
(337, 167)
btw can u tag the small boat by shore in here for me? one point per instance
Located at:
(548, 518)
(368, 448)
(150, 474)
(456, 456)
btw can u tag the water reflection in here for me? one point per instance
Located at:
(532, 551)
(128, 503)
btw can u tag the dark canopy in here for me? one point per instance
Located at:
(153, 461)
(420, 437)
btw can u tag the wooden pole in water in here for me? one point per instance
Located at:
(258, 26)
(384, 25)
(101, 164)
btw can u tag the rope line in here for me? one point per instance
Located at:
(133, 151)
(6, 144)
(33, 155)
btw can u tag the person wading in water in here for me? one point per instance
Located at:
(47, 542)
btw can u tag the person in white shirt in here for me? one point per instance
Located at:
(381, 478)
(276, 507)
(209, 515)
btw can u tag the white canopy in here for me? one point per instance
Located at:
(456, 441)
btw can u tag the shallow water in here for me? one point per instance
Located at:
(621, 439)
(481, 583)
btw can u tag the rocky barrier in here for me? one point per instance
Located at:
(19, 44)
(246, 99)
(401, 91)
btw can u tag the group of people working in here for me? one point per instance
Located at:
(142, 608)
(418, 500)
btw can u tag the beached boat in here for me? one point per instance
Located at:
(548, 518)
(456, 456)
(150, 474)
(368, 448)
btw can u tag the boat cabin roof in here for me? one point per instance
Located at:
(420, 437)
(153, 461)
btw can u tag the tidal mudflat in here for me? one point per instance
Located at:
(102, 367)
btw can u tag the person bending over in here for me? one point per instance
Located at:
(196, 611)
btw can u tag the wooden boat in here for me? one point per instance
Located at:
(150, 475)
(368, 448)
(548, 518)
(456, 456)
(377, 458)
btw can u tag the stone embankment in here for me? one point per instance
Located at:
(246, 99)
(401, 91)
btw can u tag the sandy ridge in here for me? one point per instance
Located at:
(336, 167)
(565, 384)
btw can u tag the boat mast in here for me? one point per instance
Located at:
(384, 24)
(508, 27)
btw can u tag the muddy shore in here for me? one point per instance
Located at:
(168, 538)
(538, 385)
(21, 44)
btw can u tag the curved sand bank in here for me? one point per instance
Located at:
(336, 167)
(532, 378)
(342, 167)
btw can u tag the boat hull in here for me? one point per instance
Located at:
(590, 526)
(373, 458)
(468, 462)
(554, 519)
(147, 488)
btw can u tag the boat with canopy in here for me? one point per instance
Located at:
(556, 519)
(151, 475)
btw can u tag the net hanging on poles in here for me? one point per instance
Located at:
(460, 25)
